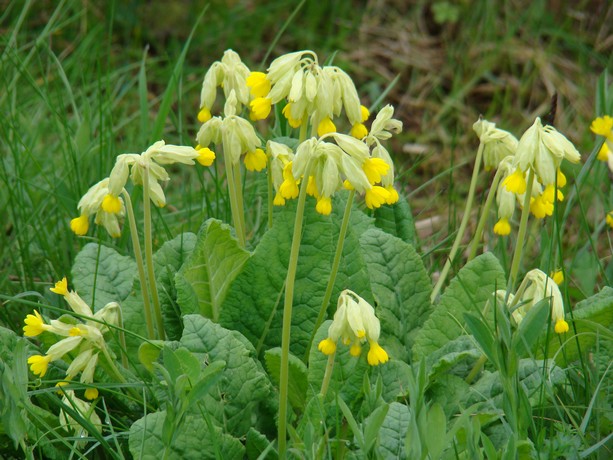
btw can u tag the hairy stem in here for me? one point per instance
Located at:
(138, 255)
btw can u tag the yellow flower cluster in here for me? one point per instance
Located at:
(86, 337)
(355, 323)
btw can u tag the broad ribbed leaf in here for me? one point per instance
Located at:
(204, 279)
(397, 220)
(193, 440)
(297, 376)
(394, 431)
(244, 382)
(254, 304)
(101, 275)
(458, 355)
(401, 288)
(166, 261)
(468, 292)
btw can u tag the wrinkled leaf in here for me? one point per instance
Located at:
(297, 385)
(401, 288)
(397, 220)
(467, 292)
(101, 275)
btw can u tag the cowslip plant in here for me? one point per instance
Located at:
(318, 334)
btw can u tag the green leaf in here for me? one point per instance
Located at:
(397, 220)
(149, 352)
(372, 424)
(483, 335)
(254, 304)
(436, 430)
(353, 424)
(448, 390)
(459, 355)
(166, 261)
(530, 328)
(193, 440)
(590, 319)
(531, 373)
(243, 382)
(101, 275)
(204, 279)
(258, 444)
(468, 292)
(297, 376)
(401, 288)
(395, 376)
(394, 431)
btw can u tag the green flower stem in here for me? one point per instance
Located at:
(521, 234)
(463, 224)
(287, 313)
(122, 341)
(484, 215)
(238, 188)
(149, 256)
(234, 200)
(270, 192)
(138, 255)
(328, 375)
(334, 271)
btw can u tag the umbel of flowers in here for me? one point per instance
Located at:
(355, 323)
(82, 343)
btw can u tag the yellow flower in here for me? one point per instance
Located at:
(354, 323)
(327, 346)
(549, 195)
(258, 83)
(561, 179)
(34, 325)
(377, 355)
(365, 113)
(278, 200)
(347, 185)
(359, 131)
(91, 393)
(603, 153)
(376, 197)
(561, 326)
(39, 364)
(374, 168)
(205, 156)
(541, 207)
(61, 287)
(312, 187)
(80, 225)
(204, 115)
(502, 227)
(609, 219)
(111, 204)
(557, 276)
(289, 187)
(393, 195)
(255, 160)
(260, 108)
(325, 126)
(293, 122)
(324, 205)
(603, 126)
(516, 182)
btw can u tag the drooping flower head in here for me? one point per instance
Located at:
(232, 75)
(152, 161)
(542, 149)
(497, 143)
(535, 287)
(280, 156)
(95, 202)
(235, 134)
(84, 337)
(355, 323)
